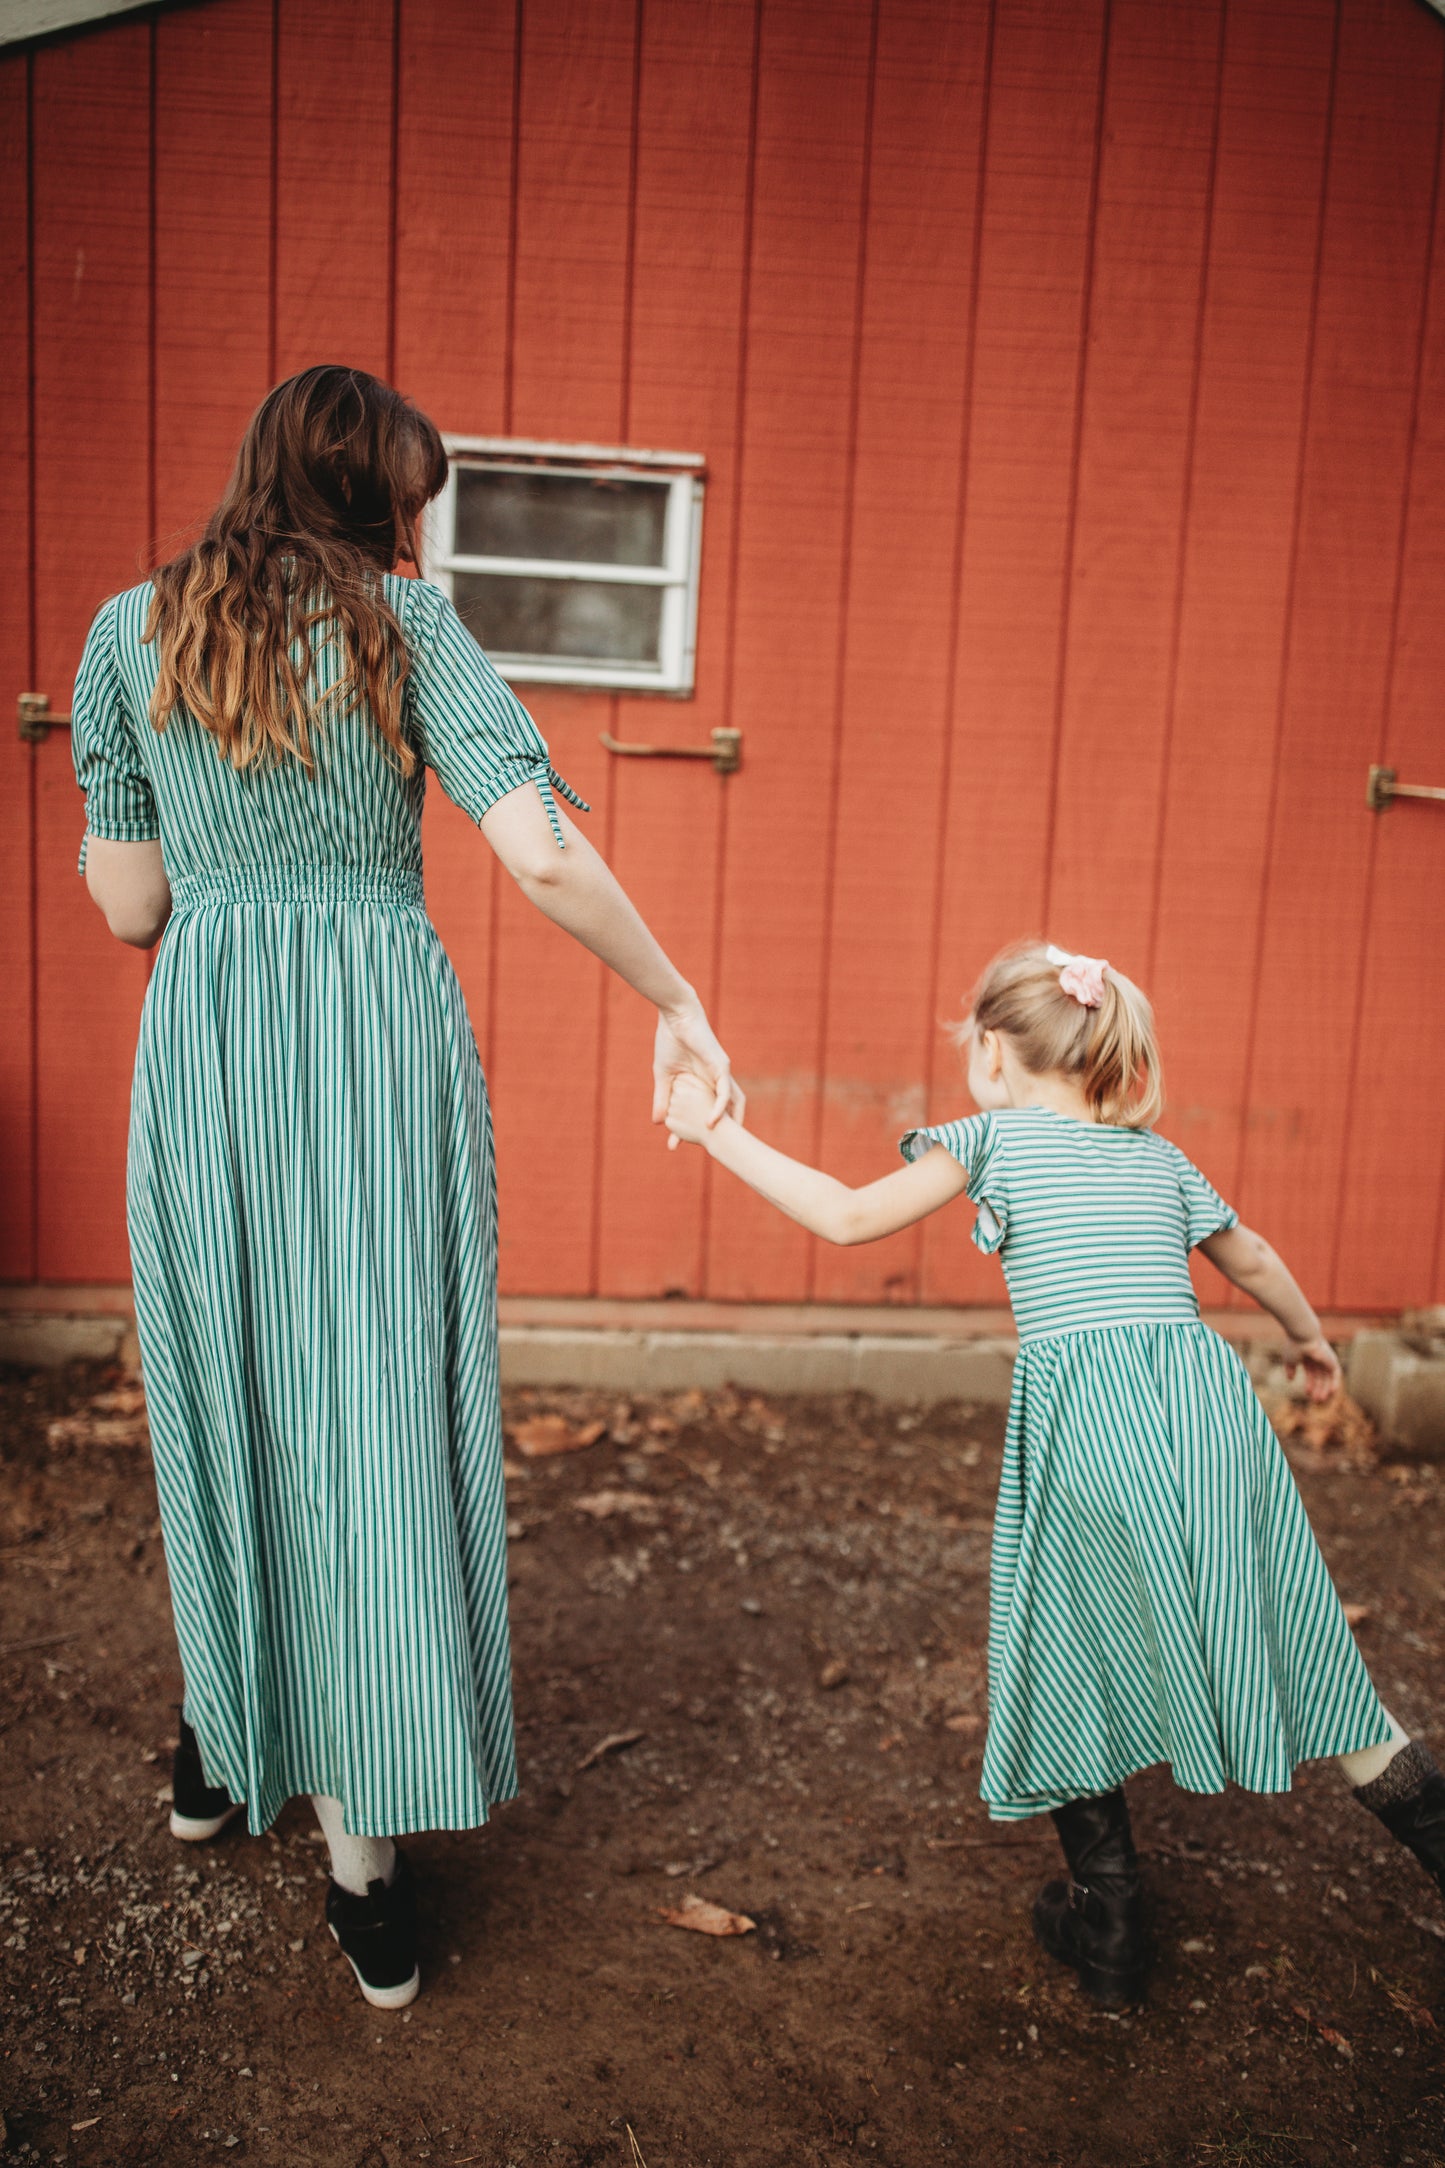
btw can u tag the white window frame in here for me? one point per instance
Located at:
(677, 576)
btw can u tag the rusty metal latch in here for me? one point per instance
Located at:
(1382, 787)
(36, 720)
(725, 752)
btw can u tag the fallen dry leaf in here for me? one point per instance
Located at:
(542, 1435)
(123, 1400)
(83, 1430)
(834, 1673)
(1339, 1424)
(612, 1744)
(1418, 2015)
(603, 1504)
(1327, 2033)
(706, 1919)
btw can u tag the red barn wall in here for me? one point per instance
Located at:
(1071, 379)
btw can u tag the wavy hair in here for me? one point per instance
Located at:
(1110, 1051)
(328, 486)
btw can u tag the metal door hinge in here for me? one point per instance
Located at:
(725, 752)
(36, 720)
(1381, 787)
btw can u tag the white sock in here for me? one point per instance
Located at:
(355, 1861)
(1373, 1761)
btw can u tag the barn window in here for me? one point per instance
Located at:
(572, 565)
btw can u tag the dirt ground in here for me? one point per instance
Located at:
(786, 1603)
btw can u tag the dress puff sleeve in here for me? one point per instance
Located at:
(1205, 1211)
(471, 729)
(119, 805)
(976, 1145)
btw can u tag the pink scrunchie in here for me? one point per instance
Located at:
(1081, 976)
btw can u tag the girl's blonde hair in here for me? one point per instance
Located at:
(1111, 1050)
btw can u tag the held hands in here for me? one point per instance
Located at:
(1321, 1366)
(690, 1112)
(687, 1052)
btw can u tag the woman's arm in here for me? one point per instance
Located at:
(1247, 1260)
(816, 1201)
(128, 881)
(578, 891)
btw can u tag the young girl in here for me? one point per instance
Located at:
(1157, 1594)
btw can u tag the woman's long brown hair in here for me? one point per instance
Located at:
(330, 480)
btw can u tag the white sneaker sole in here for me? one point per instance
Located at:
(381, 1998)
(192, 1831)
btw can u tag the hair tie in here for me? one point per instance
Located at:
(1080, 976)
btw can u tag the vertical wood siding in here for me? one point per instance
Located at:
(1071, 378)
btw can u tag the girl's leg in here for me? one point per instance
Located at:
(1400, 1783)
(356, 1862)
(1094, 1920)
(1372, 1761)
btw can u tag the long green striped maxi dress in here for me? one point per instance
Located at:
(1157, 1594)
(312, 1218)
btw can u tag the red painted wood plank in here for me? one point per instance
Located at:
(1377, 215)
(1135, 446)
(454, 224)
(213, 251)
(568, 376)
(454, 211)
(894, 708)
(334, 198)
(696, 82)
(17, 1043)
(802, 324)
(1394, 1154)
(91, 357)
(1033, 271)
(1254, 363)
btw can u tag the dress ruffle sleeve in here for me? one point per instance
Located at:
(472, 730)
(976, 1144)
(1205, 1211)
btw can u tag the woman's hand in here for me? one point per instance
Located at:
(687, 1047)
(689, 1112)
(1321, 1366)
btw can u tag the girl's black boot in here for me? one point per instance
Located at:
(1409, 1799)
(1094, 1921)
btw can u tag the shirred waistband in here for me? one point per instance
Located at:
(297, 884)
(1170, 1320)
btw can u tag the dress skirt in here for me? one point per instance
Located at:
(1157, 1592)
(312, 1215)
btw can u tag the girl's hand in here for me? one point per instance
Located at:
(689, 1112)
(687, 1047)
(1321, 1366)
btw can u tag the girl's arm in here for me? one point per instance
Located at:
(1247, 1259)
(816, 1201)
(128, 881)
(578, 891)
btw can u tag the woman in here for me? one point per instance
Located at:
(310, 1190)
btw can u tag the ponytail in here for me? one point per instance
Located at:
(1078, 1016)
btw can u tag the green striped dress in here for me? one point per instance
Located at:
(1157, 1594)
(312, 1218)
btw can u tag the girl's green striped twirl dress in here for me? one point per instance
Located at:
(311, 1207)
(1157, 1593)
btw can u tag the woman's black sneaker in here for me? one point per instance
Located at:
(377, 1936)
(198, 1809)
